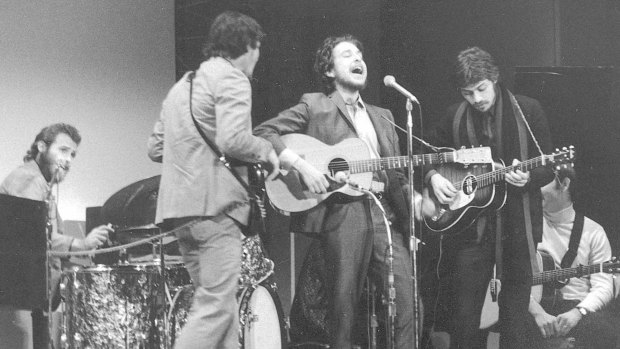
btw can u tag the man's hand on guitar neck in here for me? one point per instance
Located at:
(517, 178)
(313, 178)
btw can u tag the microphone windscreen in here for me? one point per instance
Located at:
(388, 80)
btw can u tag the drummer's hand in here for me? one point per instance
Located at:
(97, 237)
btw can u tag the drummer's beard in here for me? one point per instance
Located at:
(51, 168)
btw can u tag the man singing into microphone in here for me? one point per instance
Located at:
(46, 164)
(352, 231)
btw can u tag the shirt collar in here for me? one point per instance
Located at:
(359, 103)
(566, 215)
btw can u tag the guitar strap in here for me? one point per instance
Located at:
(521, 125)
(456, 134)
(212, 145)
(573, 244)
(257, 219)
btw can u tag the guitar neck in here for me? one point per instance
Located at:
(372, 165)
(498, 175)
(563, 274)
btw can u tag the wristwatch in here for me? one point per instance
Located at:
(583, 311)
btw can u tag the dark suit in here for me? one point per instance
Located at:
(352, 232)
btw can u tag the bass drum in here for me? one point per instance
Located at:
(261, 320)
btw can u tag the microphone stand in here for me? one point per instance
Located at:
(42, 324)
(413, 246)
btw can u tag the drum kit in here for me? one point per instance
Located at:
(144, 301)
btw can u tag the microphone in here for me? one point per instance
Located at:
(390, 81)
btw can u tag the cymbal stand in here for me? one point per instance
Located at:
(163, 289)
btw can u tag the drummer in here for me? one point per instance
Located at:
(46, 164)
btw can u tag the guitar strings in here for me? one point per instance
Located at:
(489, 177)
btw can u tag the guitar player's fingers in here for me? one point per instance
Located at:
(443, 189)
(274, 163)
(517, 177)
(546, 324)
(568, 320)
(313, 178)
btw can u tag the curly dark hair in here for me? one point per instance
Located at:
(48, 135)
(474, 65)
(230, 35)
(324, 60)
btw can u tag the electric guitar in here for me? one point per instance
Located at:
(480, 187)
(545, 284)
(288, 193)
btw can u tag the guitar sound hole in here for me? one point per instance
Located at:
(338, 165)
(469, 185)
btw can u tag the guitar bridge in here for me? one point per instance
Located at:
(436, 217)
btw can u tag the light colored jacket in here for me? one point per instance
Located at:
(193, 181)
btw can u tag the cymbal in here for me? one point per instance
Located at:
(133, 206)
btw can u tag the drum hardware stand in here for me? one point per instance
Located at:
(163, 301)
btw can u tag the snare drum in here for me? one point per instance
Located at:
(109, 307)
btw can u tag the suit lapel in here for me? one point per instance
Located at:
(379, 124)
(339, 102)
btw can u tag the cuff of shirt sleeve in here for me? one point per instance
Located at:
(429, 174)
(287, 159)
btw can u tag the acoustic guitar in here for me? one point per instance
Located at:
(351, 157)
(480, 187)
(545, 284)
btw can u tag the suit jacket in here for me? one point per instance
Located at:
(325, 118)
(193, 181)
(508, 135)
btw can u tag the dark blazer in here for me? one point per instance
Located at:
(325, 118)
(509, 138)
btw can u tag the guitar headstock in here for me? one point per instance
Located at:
(561, 158)
(477, 155)
(611, 267)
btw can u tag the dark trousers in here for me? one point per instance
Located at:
(354, 245)
(468, 268)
